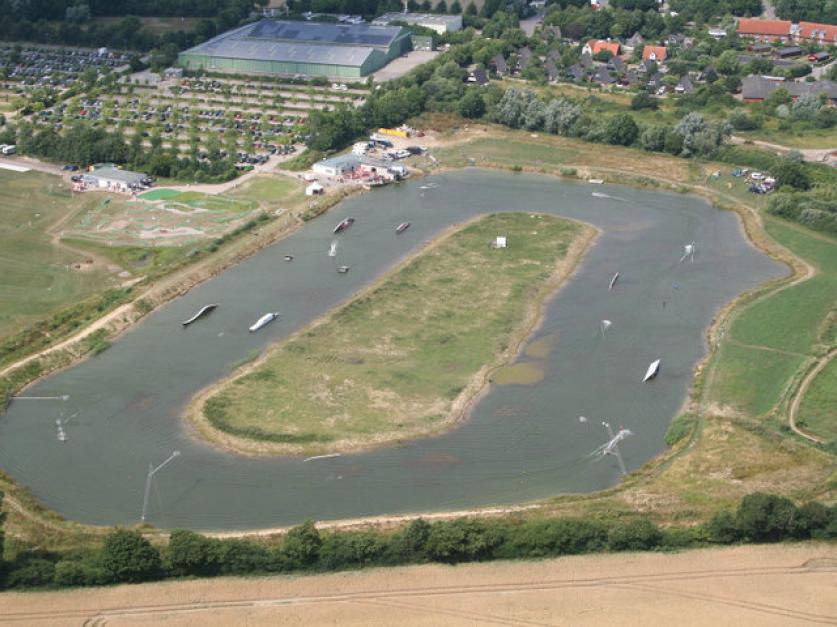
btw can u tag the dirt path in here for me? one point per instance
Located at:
(800, 394)
(751, 585)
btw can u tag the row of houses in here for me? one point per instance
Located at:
(758, 88)
(785, 30)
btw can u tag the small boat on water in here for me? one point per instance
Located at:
(201, 313)
(343, 269)
(652, 372)
(264, 321)
(289, 257)
(332, 251)
(344, 225)
(613, 281)
(402, 227)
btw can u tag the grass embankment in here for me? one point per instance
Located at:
(818, 412)
(770, 340)
(569, 157)
(403, 359)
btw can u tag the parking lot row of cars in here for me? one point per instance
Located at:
(55, 66)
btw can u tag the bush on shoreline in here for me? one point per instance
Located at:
(127, 557)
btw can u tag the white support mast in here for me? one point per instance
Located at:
(151, 472)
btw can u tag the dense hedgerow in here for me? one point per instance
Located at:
(126, 556)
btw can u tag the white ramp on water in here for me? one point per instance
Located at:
(653, 371)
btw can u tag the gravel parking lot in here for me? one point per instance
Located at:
(404, 64)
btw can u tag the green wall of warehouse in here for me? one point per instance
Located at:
(375, 61)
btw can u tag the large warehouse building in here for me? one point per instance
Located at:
(307, 48)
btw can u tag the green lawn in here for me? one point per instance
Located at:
(391, 362)
(34, 276)
(502, 152)
(818, 411)
(789, 325)
(271, 190)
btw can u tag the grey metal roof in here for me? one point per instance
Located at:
(324, 32)
(124, 176)
(758, 88)
(300, 42)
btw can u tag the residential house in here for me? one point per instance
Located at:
(764, 30)
(552, 72)
(554, 54)
(595, 46)
(654, 53)
(717, 33)
(498, 64)
(634, 41)
(631, 78)
(655, 82)
(577, 72)
(477, 76)
(823, 34)
(524, 56)
(818, 57)
(648, 66)
(684, 86)
(708, 75)
(616, 64)
(758, 88)
(603, 76)
(586, 60)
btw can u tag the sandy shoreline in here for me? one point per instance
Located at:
(460, 408)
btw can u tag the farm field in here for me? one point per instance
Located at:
(39, 275)
(770, 339)
(769, 585)
(395, 361)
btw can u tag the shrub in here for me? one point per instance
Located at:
(722, 528)
(765, 517)
(561, 536)
(351, 550)
(71, 573)
(240, 557)
(189, 553)
(463, 540)
(36, 572)
(644, 100)
(410, 544)
(128, 557)
(637, 535)
(301, 546)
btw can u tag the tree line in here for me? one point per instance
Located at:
(126, 556)
(71, 23)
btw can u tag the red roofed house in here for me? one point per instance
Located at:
(824, 34)
(654, 53)
(764, 30)
(594, 46)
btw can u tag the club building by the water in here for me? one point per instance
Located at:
(300, 48)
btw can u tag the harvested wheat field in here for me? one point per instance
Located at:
(751, 585)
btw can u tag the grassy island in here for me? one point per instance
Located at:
(405, 357)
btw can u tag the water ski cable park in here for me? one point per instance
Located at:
(520, 441)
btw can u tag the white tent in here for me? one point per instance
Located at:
(314, 189)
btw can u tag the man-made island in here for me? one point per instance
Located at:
(405, 358)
